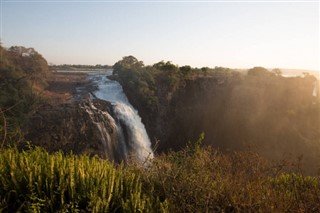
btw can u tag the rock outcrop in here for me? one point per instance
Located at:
(84, 127)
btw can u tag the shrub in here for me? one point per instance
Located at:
(194, 179)
(34, 181)
(205, 180)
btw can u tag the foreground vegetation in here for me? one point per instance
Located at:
(192, 180)
(34, 181)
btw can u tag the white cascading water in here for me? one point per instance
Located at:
(314, 92)
(100, 119)
(131, 131)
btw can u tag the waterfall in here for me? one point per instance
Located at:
(114, 148)
(132, 136)
(133, 131)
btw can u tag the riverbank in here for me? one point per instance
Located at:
(67, 87)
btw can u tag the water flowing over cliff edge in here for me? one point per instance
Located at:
(104, 124)
(132, 135)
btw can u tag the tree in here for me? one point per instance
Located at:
(260, 72)
(185, 70)
(34, 66)
(277, 71)
(308, 76)
(159, 65)
(127, 63)
(166, 66)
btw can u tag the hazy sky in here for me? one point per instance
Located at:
(230, 34)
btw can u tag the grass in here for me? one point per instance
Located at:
(192, 180)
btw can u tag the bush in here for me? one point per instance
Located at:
(205, 180)
(194, 179)
(34, 181)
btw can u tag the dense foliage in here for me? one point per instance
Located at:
(149, 83)
(23, 74)
(192, 180)
(34, 181)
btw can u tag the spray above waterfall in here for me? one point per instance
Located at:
(132, 136)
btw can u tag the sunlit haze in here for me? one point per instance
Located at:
(230, 34)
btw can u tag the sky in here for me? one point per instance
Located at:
(276, 34)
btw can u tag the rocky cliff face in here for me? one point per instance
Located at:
(84, 127)
(274, 116)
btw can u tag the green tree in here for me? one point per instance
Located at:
(34, 66)
(166, 66)
(186, 70)
(127, 63)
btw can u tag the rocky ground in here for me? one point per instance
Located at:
(69, 127)
(62, 123)
(67, 87)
